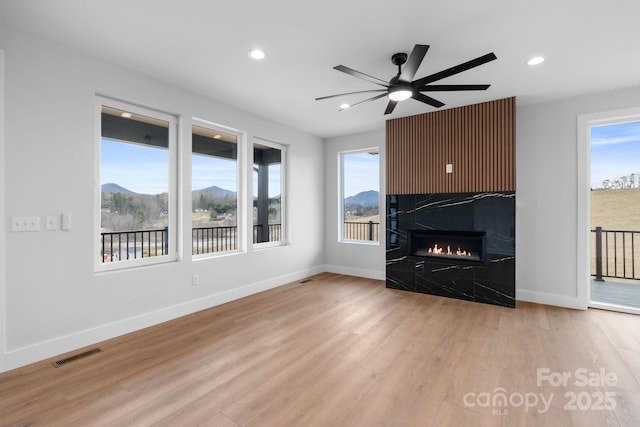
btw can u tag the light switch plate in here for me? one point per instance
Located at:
(449, 168)
(66, 221)
(25, 223)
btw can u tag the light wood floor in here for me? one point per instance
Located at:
(340, 350)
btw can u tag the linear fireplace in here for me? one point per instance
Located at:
(454, 245)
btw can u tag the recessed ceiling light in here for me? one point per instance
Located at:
(535, 60)
(256, 54)
(126, 115)
(344, 106)
(217, 136)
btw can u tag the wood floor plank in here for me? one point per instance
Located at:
(604, 356)
(627, 409)
(261, 396)
(453, 415)
(339, 351)
(203, 415)
(335, 407)
(288, 409)
(387, 395)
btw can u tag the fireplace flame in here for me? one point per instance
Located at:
(436, 250)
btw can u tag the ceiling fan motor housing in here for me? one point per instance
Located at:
(399, 58)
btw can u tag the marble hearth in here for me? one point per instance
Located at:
(474, 238)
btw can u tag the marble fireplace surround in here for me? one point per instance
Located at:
(489, 281)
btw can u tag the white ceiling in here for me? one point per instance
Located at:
(202, 45)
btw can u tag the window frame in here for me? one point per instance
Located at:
(173, 252)
(284, 229)
(341, 181)
(240, 216)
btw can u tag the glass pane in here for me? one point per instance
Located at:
(214, 163)
(361, 184)
(134, 182)
(267, 194)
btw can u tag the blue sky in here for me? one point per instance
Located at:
(361, 173)
(615, 151)
(120, 164)
(208, 171)
(143, 169)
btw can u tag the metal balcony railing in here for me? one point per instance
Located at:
(214, 239)
(134, 244)
(361, 231)
(614, 254)
(124, 245)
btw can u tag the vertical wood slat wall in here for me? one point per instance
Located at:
(478, 140)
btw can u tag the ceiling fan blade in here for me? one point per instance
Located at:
(360, 75)
(366, 100)
(427, 99)
(413, 63)
(351, 93)
(454, 70)
(391, 106)
(445, 88)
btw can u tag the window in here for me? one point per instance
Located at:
(137, 182)
(268, 192)
(214, 184)
(359, 195)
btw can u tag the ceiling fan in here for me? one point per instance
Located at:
(402, 87)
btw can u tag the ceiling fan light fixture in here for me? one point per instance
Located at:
(400, 94)
(536, 60)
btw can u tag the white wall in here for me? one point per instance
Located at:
(364, 260)
(54, 301)
(547, 196)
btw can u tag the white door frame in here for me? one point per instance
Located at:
(3, 228)
(585, 122)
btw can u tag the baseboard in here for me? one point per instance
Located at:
(359, 272)
(550, 299)
(47, 349)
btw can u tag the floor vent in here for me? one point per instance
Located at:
(306, 280)
(70, 359)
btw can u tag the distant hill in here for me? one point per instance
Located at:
(364, 198)
(616, 209)
(115, 188)
(217, 192)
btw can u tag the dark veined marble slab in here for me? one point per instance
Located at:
(491, 282)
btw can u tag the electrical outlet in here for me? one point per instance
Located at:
(195, 279)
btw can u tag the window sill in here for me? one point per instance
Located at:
(361, 242)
